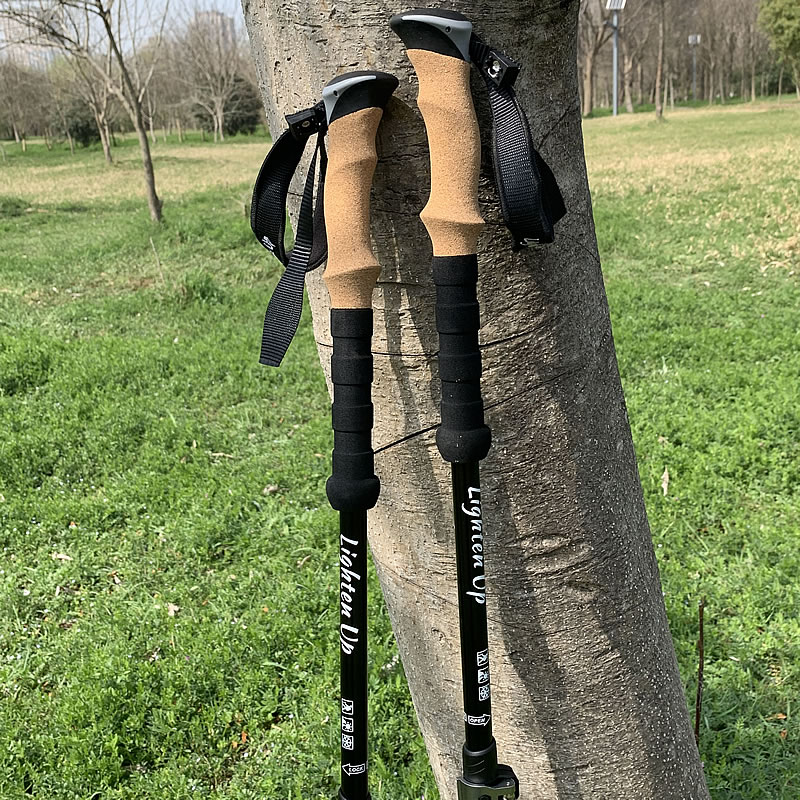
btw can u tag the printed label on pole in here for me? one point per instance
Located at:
(347, 706)
(348, 742)
(483, 719)
(483, 657)
(347, 724)
(483, 675)
(354, 769)
(484, 693)
(473, 513)
(348, 588)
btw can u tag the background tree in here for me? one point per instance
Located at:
(588, 700)
(24, 98)
(102, 37)
(780, 19)
(241, 112)
(634, 37)
(211, 56)
(81, 124)
(594, 33)
(661, 11)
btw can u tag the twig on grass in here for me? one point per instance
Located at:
(158, 261)
(698, 704)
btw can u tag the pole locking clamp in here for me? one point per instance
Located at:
(505, 787)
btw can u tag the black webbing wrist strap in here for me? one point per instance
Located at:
(530, 199)
(268, 221)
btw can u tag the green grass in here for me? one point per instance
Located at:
(166, 583)
(697, 221)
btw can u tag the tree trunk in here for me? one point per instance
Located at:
(105, 138)
(587, 696)
(780, 83)
(639, 82)
(153, 201)
(660, 63)
(627, 77)
(71, 142)
(179, 126)
(588, 83)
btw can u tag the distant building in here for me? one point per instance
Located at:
(219, 25)
(18, 42)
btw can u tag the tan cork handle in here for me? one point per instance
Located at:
(452, 215)
(352, 269)
(354, 105)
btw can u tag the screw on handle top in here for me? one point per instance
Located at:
(437, 30)
(354, 105)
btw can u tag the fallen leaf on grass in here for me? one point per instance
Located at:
(665, 481)
(172, 609)
(779, 715)
(60, 557)
(303, 560)
(271, 489)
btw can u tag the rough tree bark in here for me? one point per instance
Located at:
(588, 699)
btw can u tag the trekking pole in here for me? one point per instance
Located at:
(354, 105)
(351, 110)
(440, 44)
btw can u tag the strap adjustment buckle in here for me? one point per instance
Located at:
(307, 122)
(501, 69)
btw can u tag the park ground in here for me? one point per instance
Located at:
(167, 580)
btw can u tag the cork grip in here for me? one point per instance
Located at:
(451, 215)
(352, 268)
(354, 105)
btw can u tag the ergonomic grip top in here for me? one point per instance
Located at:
(354, 105)
(438, 47)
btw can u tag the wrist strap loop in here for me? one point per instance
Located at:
(268, 221)
(530, 199)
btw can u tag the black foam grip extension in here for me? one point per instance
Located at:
(463, 436)
(352, 485)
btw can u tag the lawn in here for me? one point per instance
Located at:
(167, 584)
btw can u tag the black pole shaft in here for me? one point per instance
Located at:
(353, 641)
(472, 606)
(352, 489)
